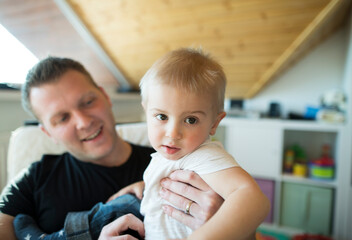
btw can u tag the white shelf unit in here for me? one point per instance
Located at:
(259, 147)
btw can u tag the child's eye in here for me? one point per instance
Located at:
(191, 120)
(64, 118)
(161, 117)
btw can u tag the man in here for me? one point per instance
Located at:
(74, 111)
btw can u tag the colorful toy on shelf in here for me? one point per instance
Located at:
(295, 161)
(323, 168)
(300, 170)
(289, 160)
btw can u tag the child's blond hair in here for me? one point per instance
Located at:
(188, 69)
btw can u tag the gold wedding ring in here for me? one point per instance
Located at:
(188, 207)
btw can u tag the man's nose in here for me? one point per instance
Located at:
(174, 131)
(83, 120)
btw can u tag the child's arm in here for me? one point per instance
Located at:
(244, 209)
(135, 188)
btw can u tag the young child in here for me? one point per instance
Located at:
(183, 98)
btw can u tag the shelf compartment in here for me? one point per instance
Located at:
(306, 207)
(311, 142)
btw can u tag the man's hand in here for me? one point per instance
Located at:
(184, 186)
(115, 230)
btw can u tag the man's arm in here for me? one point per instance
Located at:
(6, 228)
(183, 186)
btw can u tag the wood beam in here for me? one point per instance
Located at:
(124, 85)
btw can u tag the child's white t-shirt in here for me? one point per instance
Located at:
(208, 158)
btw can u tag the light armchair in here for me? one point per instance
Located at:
(28, 144)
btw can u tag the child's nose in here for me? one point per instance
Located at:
(174, 131)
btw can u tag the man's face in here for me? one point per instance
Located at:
(77, 114)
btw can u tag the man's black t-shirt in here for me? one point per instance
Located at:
(59, 184)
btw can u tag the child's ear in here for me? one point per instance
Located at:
(144, 105)
(218, 119)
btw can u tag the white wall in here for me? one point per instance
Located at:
(11, 113)
(303, 84)
(348, 139)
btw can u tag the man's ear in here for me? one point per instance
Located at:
(105, 94)
(218, 119)
(46, 132)
(44, 129)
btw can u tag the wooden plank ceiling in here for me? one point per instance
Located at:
(254, 40)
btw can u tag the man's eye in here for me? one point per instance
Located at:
(191, 120)
(62, 119)
(161, 117)
(89, 102)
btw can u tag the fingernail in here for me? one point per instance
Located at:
(162, 182)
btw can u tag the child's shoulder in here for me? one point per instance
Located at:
(211, 148)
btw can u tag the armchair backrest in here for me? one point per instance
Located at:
(28, 143)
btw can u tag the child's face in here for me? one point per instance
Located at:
(178, 122)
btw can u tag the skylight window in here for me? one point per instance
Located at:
(15, 59)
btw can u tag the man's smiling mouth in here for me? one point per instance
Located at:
(94, 135)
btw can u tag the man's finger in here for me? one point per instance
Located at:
(122, 224)
(180, 216)
(181, 203)
(189, 177)
(180, 193)
(134, 223)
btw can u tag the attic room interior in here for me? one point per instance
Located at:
(287, 99)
